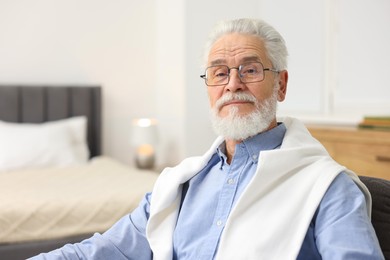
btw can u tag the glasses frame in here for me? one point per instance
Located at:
(204, 76)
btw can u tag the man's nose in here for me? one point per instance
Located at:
(235, 82)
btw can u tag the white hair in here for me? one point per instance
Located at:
(274, 43)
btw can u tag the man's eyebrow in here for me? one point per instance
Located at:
(243, 60)
(218, 62)
(251, 58)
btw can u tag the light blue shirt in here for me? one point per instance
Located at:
(340, 228)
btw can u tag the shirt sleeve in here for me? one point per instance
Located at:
(343, 229)
(126, 239)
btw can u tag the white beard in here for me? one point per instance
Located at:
(239, 127)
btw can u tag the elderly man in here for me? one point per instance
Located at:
(264, 190)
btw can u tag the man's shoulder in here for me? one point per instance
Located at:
(344, 190)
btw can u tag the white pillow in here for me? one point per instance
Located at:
(56, 143)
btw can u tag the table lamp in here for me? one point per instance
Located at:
(144, 139)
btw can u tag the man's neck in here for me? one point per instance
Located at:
(231, 144)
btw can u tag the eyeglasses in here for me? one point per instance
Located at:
(248, 72)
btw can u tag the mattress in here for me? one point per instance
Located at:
(57, 202)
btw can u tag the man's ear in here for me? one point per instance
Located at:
(283, 79)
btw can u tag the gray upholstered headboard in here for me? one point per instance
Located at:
(37, 104)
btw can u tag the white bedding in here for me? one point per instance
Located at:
(58, 202)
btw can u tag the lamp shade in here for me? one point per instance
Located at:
(144, 131)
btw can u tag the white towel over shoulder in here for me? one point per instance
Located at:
(272, 216)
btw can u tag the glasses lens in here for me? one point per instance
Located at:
(251, 72)
(217, 75)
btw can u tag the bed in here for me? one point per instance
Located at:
(55, 185)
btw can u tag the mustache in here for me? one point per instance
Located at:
(228, 97)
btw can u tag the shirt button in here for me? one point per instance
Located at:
(254, 157)
(219, 222)
(231, 181)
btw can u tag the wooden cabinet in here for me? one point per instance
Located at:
(366, 152)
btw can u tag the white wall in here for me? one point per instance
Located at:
(146, 55)
(170, 85)
(338, 56)
(362, 36)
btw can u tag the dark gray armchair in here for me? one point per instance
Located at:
(380, 192)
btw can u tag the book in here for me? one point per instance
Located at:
(375, 122)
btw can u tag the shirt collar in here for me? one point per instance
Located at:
(269, 140)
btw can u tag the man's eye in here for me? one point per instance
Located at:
(220, 74)
(250, 71)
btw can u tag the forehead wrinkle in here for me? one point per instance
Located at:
(235, 50)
